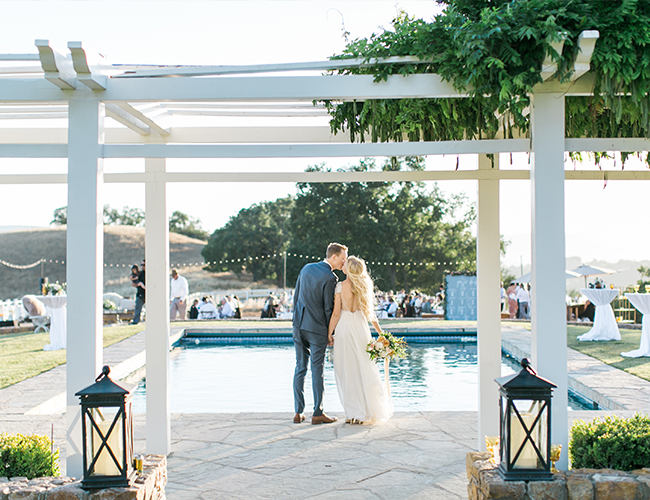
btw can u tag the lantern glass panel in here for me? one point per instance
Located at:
(104, 418)
(528, 410)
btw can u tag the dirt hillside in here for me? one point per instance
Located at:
(123, 246)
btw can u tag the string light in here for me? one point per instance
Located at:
(17, 266)
(244, 260)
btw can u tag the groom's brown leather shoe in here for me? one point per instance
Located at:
(298, 418)
(322, 419)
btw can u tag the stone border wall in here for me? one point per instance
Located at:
(149, 486)
(579, 484)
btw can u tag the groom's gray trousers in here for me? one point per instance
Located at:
(309, 345)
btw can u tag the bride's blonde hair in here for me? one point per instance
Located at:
(361, 285)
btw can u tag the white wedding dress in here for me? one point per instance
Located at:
(363, 394)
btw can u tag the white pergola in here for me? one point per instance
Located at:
(159, 109)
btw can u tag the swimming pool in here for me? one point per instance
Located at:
(208, 378)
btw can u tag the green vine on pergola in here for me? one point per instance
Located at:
(494, 50)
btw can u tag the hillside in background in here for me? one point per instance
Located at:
(123, 246)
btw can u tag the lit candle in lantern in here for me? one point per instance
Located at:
(528, 457)
(105, 465)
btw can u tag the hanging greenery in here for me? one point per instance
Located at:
(494, 50)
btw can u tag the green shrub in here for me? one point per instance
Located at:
(27, 456)
(612, 443)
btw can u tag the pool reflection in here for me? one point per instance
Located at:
(258, 378)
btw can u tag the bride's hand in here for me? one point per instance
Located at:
(330, 340)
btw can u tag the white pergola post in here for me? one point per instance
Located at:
(85, 263)
(548, 313)
(488, 266)
(157, 303)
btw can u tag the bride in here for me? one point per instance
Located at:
(363, 395)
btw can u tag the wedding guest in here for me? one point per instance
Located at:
(417, 304)
(588, 313)
(227, 308)
(178, 290)
(512, 300)
(194, 310)
(207, 310)
(269, 309)
(440, 296)
(237, 304)
(392, 307)
(139, 283)
(522, 302)
(427, 306)
(33, 306)
(134, 277)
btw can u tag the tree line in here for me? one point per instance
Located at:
(179, 222)
(391, 222)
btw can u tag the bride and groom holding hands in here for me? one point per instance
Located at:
(328, 313)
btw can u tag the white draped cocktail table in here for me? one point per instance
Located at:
(605, 327)
(642, 302)
(57, 311)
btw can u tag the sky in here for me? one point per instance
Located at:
(602, 221)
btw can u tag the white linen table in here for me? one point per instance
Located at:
(57, 311)
(642, 302)
(605, 327)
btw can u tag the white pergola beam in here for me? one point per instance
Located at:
(89, 77)
(85, 248)
(296, 88)
(20, 70)
(427, 175)
(313, 150)
(33, 116)
(549, 66)
(586, 44)
(58, 69)
(127, 119)
(24, 90)
(548, 313)
(278, 88)
(190, 71)
(157, 333)
(277, 113)
(488, 271)
(33, 109)
(125, 106)
(19, 57)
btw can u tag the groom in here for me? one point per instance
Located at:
(313, 302)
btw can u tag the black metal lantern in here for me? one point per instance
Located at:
(107, 427)
(525, 425)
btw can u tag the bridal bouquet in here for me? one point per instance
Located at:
(386, 346)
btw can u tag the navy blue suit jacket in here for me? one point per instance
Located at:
(313, 299)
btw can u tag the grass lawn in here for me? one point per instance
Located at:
(609, 352)
(22, 355)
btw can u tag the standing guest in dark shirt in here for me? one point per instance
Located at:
(139, 283)
(194, 310)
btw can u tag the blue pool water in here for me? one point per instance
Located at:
(258, 378)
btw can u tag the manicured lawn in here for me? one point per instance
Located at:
(609, 352)
(22, 355)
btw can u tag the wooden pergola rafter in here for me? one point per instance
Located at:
(161, 112)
